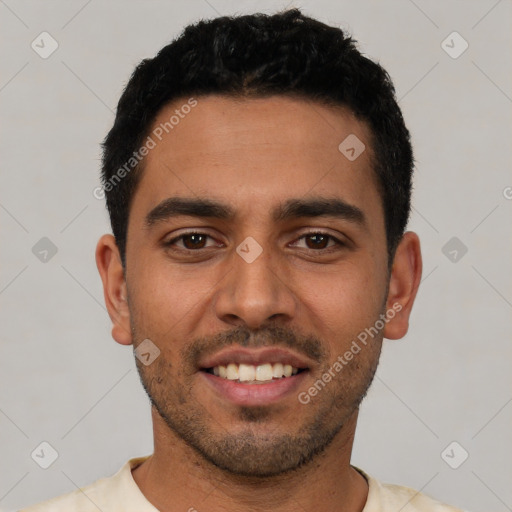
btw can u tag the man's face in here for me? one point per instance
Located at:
(211, 300)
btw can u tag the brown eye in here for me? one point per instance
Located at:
(318, 241)
(194, 241)
(190, 241)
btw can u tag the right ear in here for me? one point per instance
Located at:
(108, 261)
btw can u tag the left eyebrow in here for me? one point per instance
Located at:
(319, 207)
(290, 209)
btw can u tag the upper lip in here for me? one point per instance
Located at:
(255, 357)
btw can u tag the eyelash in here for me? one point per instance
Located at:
(338, 242)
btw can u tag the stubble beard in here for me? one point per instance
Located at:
(258, 445)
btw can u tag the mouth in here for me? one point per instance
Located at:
(252, 374)
(254, 377)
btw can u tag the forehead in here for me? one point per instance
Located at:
(257, 152)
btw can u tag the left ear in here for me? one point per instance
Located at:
(403, 285)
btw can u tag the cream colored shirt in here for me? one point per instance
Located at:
(120, 493)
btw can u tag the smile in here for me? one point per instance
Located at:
(252, 374)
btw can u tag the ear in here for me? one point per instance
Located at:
(403, 285)
(108, 261)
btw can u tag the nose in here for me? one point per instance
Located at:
(255, 292)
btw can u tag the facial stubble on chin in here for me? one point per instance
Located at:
(253, 449)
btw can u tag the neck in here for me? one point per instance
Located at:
(176, 477)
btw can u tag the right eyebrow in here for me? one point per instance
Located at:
(176, 206)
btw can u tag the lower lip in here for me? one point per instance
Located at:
(254, 394)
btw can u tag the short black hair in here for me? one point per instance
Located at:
(261, 55)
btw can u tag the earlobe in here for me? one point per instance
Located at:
(109, 265)
(403, 285)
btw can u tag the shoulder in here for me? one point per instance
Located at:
(80, 500)
(384, 497)
(103, 494)
(406, 499)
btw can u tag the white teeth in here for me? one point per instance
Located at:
(246, 372)
(277, 371)
(264, 372)
(250, 373)
(232, 371)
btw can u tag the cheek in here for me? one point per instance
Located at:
(154, 307)
(167, 303)
(158, 287)
(343, 303)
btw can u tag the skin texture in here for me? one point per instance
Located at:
(306, 294)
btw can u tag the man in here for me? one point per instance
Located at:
(258, 180)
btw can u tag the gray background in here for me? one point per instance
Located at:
(66, 382)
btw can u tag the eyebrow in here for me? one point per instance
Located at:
(290, 209)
